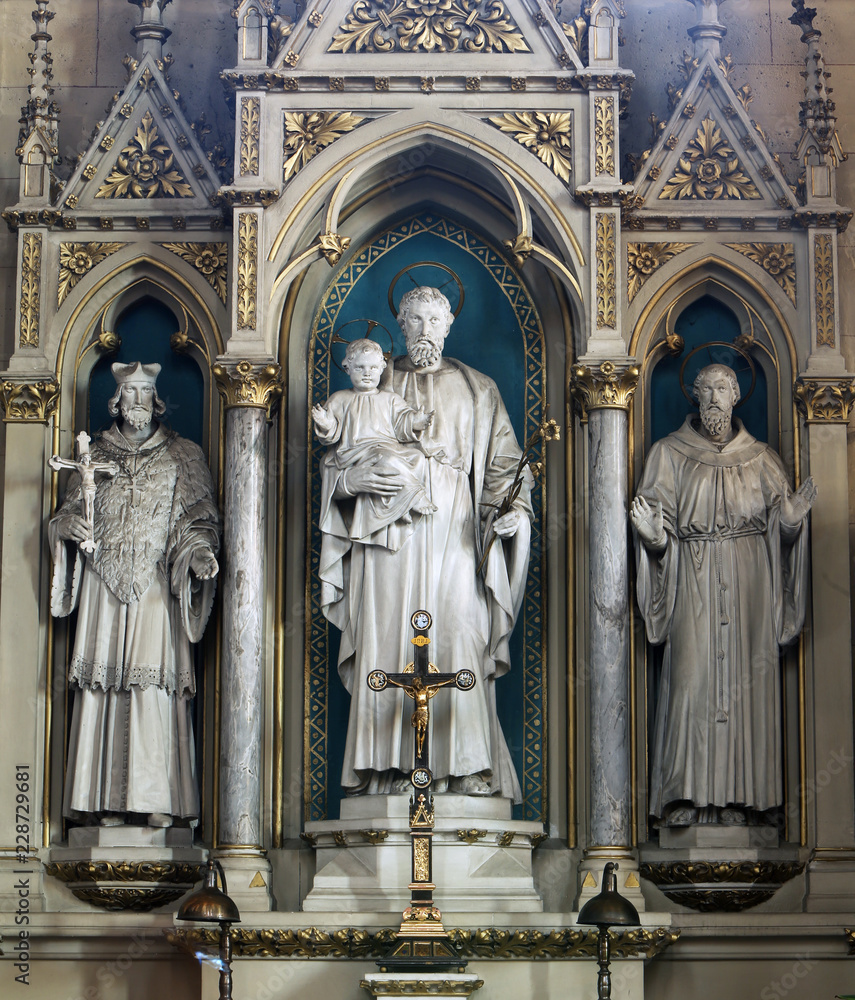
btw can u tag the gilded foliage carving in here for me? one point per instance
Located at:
(823, 265)
(76, 260)
(249, 384)
(604, 135)
(247, 267)
(709, 169)
(307, 133)
(31, 285)
(145, 168)
(250, 134)
(606, 271)
(428, 26)
(23, 402)
(825, 400)
(642, 259)
(778, 260)
(605, 388)
(210, 260)
(548, 134)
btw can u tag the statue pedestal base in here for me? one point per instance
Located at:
(420, 984)
(706, 835)
(481, 857)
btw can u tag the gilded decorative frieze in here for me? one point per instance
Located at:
(428, 26)
(307, 133)
(823, 268)
(233, 196)
(607, 387)
(76, 260)
(421, 987)
(145, 168)
(604, 135)
(778, 260)
(642, 259)
(421, 859)
(728, 886)
(483, 943)
(709, 169)
(548, 134)
(248, 384)
(25, 402)
(606, 271)
(31, 290)
(210, 260)
(143, 885)
(825, 400)
(250, 135)
(247, 268)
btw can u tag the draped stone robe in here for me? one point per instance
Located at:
(728, 590)
(139, 605)
(369, 591)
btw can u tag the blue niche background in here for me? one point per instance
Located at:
(498, 333)
(145, 329)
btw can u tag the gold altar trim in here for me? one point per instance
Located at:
(248, 384)
(488, 943)
(139, 886)
(28, 402)
(825, 400)
(31, 283)
(605, 388)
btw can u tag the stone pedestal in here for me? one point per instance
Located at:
(420, 984)
(481, 857)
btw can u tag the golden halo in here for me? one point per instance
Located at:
(371, 325)
(744, 396)
(426, 263)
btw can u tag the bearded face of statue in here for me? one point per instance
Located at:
(716, 399)
(425, 327)
(136, 404)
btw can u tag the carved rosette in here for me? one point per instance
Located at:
(248, 384)
(608, 387)
(247, 270)
(728, 886)
(606, 271)
(31, 284)
(709, 169)
(823, 265)
(642, 259)
(825, 400)
(145, 168)
(604, 135)
(483, 943)
(28, 402)
(76, 260)
(778, 260)
(138, 886)
(250, 134)
(210, 260)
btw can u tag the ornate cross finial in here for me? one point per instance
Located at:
(151, 32)
(803, 18)
(708, 31)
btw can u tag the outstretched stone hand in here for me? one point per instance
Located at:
(204, 564)
(648, 521)
(422, 420)
(796, 506)
(323, 420)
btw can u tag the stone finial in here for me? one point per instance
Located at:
(38, 140)
(151, 32)
(708, 31)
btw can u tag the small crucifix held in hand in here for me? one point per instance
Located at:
(86, 469)
(422, 940)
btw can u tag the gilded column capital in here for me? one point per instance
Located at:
(28, 402)
(825, 400)
(249, 384)
(608, 387)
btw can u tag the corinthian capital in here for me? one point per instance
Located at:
(247, 384)
(609, 386)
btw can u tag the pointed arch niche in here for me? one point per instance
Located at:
(708, 308)
(452, 212)
(128, 310)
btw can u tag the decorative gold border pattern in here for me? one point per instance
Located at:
(247, 285)
(606, 271)
(604, 135)
(823, 264)
(250, 134)
(31, 283)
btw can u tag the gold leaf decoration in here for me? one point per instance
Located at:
(247, 286)
(428, 26)
(709, 169)
(31, 284)
(606, 271)
(826, 400)
(250, 125)
(642, 259)
(210, 260)
(76, 260)
(824, 288)
(145, 168)
(604, 135)
(546, 133)
(577, 34)
(778, 260)
(308, 133)
(23, 402)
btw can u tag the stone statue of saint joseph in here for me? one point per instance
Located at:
(142, 596)
(721, 547)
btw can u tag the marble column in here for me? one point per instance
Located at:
(603, 394)
(248, 391)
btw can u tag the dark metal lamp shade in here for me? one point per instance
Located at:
(210, 904)
(608, 908)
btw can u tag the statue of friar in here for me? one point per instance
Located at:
(143, 592)
(721, 547)
(429, 559)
